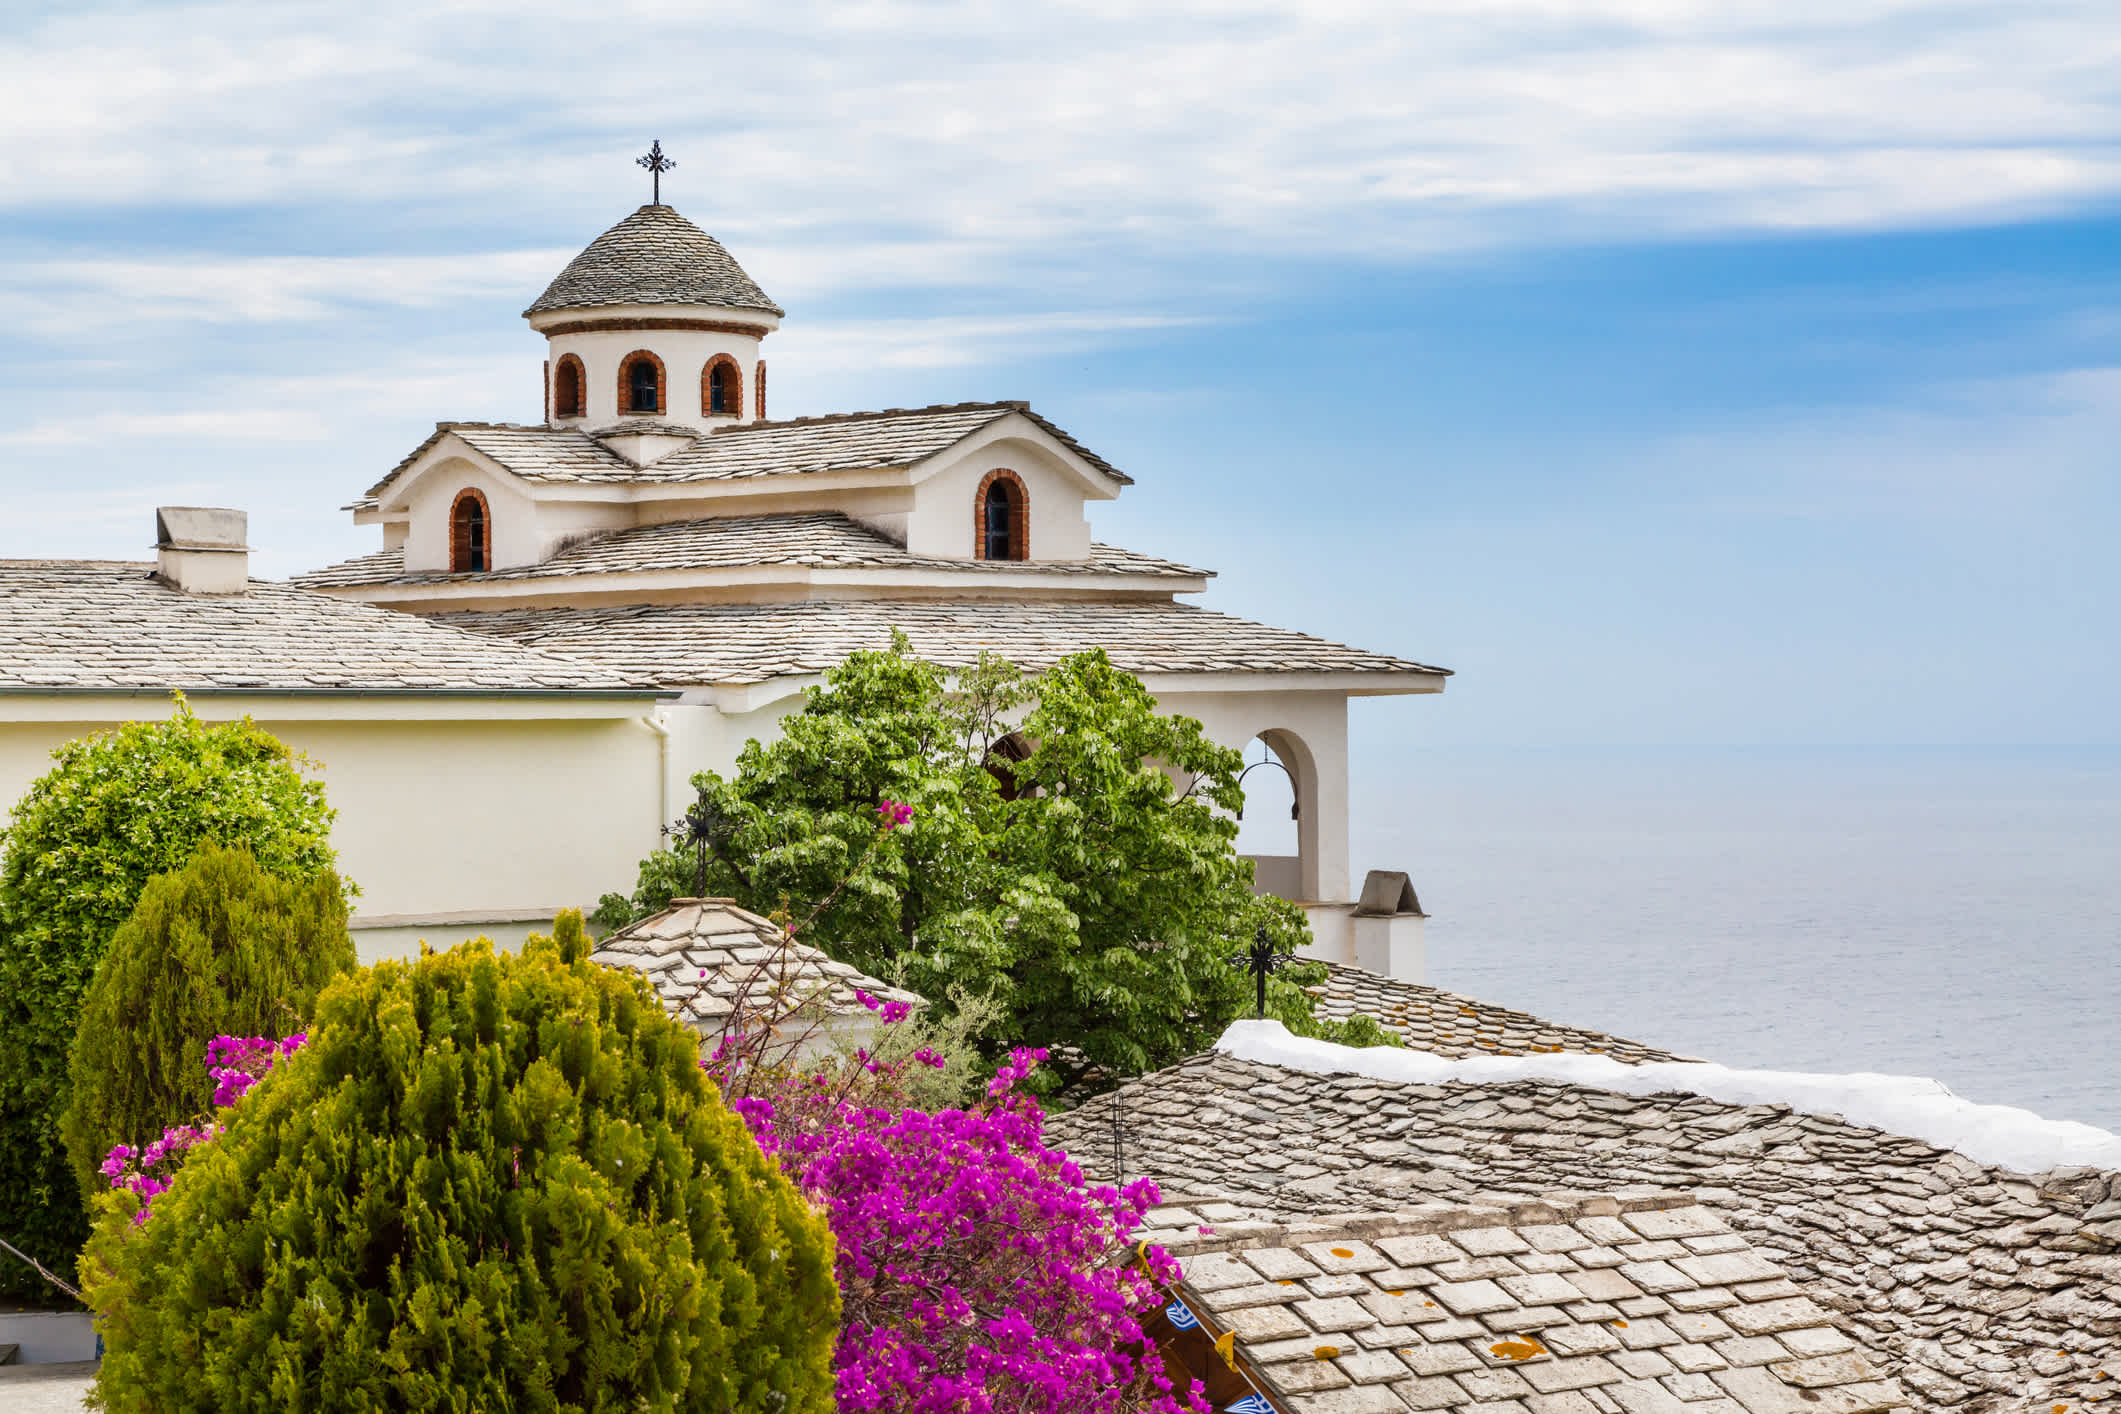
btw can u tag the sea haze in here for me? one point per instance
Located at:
(1950, 913)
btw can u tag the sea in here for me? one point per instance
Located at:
(1950, 913)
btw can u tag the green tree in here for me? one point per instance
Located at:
(486, 1182)
(1080, 870)
(221, 947)
(115, 810)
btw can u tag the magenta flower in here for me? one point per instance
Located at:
(893, 814)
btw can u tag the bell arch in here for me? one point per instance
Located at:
(1281, 818)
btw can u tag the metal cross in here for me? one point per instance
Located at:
(657, 164)
(1262, 960)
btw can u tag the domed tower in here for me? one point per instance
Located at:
(654, 322)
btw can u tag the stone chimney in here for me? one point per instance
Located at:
(200, 549)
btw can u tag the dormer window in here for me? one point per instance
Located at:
(568, 387)
(641, 384)
(1000, 521)
(470, 534)
(721, 388)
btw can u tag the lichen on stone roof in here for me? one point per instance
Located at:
(1974, 1286)
(736, 644)
(1568, 1304)
(707, 958)
(654, 256)
(1431, 1019)
(116, 626)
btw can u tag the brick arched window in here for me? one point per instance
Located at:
(759, 383)
(470, 534)
(1001, 520)
(570, 388)
(722, 387)
(642, 388)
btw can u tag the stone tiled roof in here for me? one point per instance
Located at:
(1569, 1305)
(654, 256)
(854, 441)
(1431, 1019)
(1975, 1287)
(708, 958)
(816, 540)
(687, 644)
(103, 625)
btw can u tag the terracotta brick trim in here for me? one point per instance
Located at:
(662, 384)
(1019, 514)
(613, 326)
(569, 377)
(470, 502)
(733, 404)
(760, 385)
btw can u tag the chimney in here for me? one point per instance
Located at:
(200, 549)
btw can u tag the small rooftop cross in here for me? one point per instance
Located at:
(657, 164)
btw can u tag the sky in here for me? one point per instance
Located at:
(1678, 372)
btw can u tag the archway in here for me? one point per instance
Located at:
(1279, 829)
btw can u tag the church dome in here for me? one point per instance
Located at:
(654, 256)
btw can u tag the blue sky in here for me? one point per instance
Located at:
(1678, 371)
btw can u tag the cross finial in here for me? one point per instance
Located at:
(657, 164)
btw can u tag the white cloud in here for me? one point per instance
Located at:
(971, 136)
(244, 425)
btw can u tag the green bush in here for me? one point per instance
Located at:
(487, 1182)
(114, 811)
(220, 947)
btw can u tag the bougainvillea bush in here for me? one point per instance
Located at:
(484, 1182)
(978, 1272)
(233, 1065)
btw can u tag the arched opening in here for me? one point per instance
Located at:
(1000, 521)
(641, 388)
(722, 388)
(1278, 830)
(568, 388)
(470, 534)
(1000, 764)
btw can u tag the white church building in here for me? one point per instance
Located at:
(567, 619)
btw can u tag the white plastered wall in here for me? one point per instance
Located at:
(685, 354)
(522, 529)
(452, 828)
(941, 521)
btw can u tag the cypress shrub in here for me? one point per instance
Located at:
(221, 947)
(487, 1182)
(115, 810)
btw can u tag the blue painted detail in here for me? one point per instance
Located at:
(1182, 1318)
(1250, 1404)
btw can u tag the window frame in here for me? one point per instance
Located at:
(1019, 499)
(662, 385)
(581, 386)
(459, 551)
(736, 387)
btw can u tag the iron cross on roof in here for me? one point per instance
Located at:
(657, 164)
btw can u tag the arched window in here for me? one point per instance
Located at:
(568, 388)
(999, 521)
(641, 384)
(1001, 763)
(470, 534)
(721, 388)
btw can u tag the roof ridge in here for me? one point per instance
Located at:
(876, 414)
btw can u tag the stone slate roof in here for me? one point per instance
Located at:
(708, 958)
(689, 644)
(114, 626)
(824, 540)
(1431, 1019)
(654, 256)
(1568, 1305)
(853, 441)
(1976, 1287)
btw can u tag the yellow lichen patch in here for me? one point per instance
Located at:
(1325, 1352)
(1522, 1349)
(1622, 1324)
(1340, 1252)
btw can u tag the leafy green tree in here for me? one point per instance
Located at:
(115, 810)
(219, 948)
(1079, 870)
(486, 1182)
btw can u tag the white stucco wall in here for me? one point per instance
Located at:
(522, 529)
(685, 354)
(452, 828)
(941, 521)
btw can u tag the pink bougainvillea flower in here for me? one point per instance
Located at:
(892, 814)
